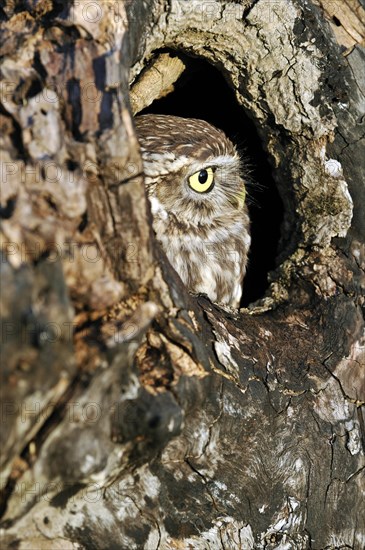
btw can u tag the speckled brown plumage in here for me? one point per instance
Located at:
(205, 234)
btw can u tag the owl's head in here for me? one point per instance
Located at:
(192, 169)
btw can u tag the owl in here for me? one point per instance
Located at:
(196, 188)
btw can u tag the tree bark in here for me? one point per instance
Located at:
(133, 414)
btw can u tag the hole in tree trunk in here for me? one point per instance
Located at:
(202, 92)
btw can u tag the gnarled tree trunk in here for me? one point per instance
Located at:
(135, 415)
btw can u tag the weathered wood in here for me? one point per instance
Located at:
(135, 415)
(346, 18)
(156, 82)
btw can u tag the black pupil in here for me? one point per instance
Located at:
(203, 176)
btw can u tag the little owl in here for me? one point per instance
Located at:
(197, 195)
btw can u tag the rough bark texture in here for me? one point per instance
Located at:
(135, 415)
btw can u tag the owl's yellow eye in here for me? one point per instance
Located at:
(202, 181)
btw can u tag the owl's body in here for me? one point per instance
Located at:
(197, 196)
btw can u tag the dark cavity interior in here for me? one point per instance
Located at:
(203, 93)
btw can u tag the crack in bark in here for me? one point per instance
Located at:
(148, 517)
(344, 394)
(348, 143)
(115, 186)
(221, 538)
(196, 471)
(355, 474)
(214, 422)
(331, 442)
(307, 495)
(228, 376)
(246, 12)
